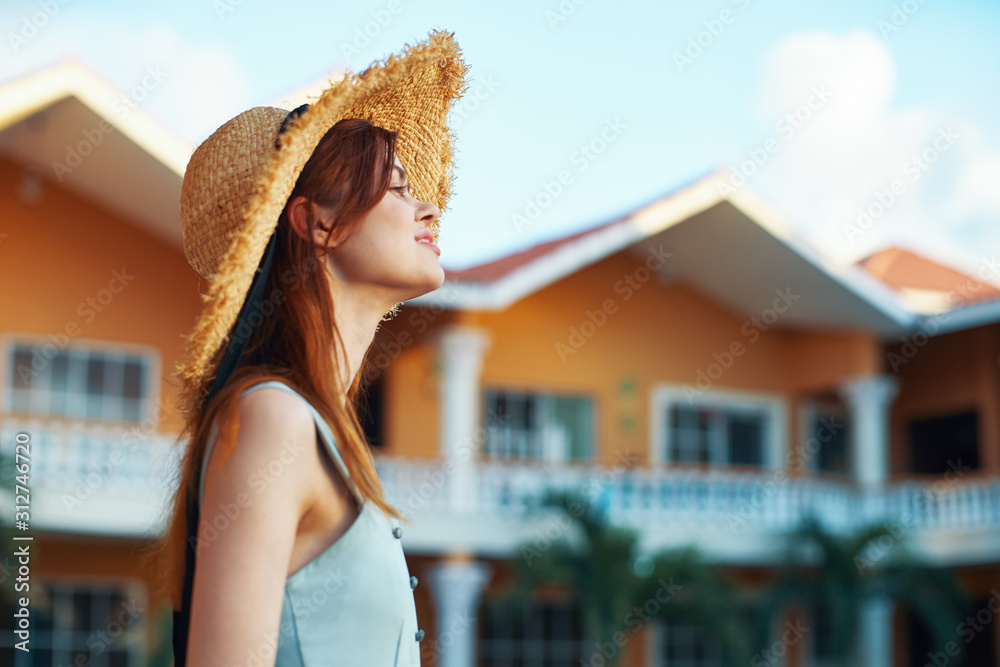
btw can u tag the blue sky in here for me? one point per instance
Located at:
(550, 76)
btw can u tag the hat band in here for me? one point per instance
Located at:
(244, 326)
(230, 360)
(245, 323)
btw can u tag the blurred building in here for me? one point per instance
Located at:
(694, 365)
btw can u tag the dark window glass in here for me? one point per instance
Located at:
(520, 426)
(745, 435)
(831, 432)
(371, 412)
(76, 382)
(942, 443)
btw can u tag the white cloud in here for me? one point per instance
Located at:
(979, 186)
(846, 151)
(203, 86)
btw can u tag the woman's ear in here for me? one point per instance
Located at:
(300, 211)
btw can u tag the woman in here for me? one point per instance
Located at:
(311, 227)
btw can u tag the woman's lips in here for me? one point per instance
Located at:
(428, 243)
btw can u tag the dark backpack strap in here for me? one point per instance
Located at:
(230, 360)
(182, 618)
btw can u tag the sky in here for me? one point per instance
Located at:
(827, 110)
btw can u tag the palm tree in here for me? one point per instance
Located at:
(611, 581)
(833, 577)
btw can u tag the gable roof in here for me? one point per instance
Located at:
(66, 123)
(924, 279)
(731, 244)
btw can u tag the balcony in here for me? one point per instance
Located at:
(735, 516)
(99, 479)
(90, 477)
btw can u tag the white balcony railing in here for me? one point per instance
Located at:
(91, 477)
(96, 478)
(689, 504)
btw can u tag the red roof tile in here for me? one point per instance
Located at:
(899, 268)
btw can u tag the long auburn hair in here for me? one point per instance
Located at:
(349, 171)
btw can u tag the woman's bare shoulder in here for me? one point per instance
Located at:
(274, 450)
(253, 500)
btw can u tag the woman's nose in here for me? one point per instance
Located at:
(427, 213)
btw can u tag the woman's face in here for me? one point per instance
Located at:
(388, 253)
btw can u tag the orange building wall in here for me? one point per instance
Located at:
(63, 250)
(660, 333)
(406, 355)
(949, 373)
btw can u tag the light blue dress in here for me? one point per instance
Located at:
(353, 604)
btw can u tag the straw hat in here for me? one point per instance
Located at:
(239, 180)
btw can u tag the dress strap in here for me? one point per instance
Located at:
(325, 433)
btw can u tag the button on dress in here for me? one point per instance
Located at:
(352, 605)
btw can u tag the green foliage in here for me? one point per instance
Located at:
(161, 652)
(838, 575)
(599, 564)
(618, 590)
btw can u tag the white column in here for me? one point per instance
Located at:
(457, 587)
(462, 349)
(875, 633)
(868, 399)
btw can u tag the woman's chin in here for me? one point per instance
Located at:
(427, 286)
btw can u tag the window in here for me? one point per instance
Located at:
(942, 443)
(716, 428)
(371, 412)
(538, 426)
(826, 447)
(715, 435)
(980, 647)
(546, 634)
(685, 644)
(98, 625)
(821, 648)
(79, 382)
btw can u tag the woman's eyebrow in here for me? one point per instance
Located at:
(402, 172)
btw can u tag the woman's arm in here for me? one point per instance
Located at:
(251, 508)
